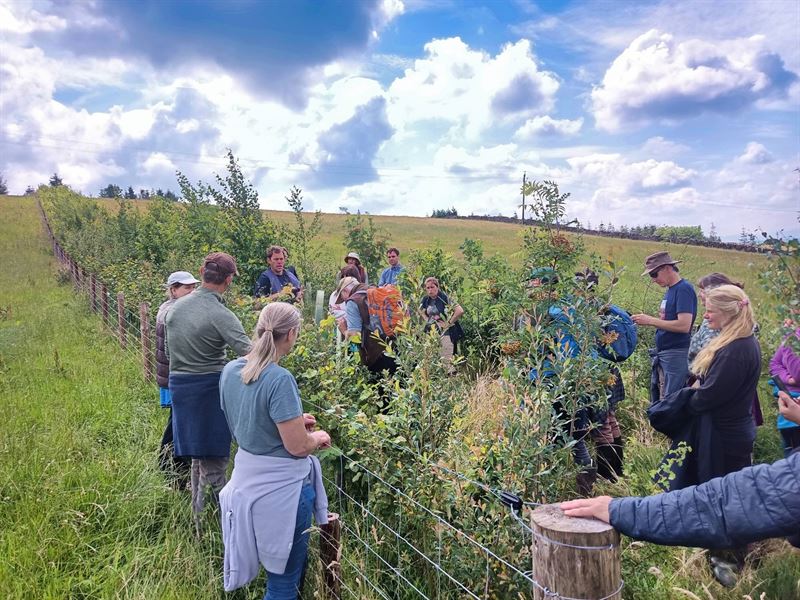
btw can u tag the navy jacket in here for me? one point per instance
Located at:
(752, 504)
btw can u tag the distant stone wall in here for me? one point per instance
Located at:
(621, 234)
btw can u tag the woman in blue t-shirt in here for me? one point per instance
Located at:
(274, 481)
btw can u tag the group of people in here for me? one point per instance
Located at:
(276, 484)
(704, 398)
(703, 393)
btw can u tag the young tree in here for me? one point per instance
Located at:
(144, 194)
(130, 194)
(369, 240)
(111, 191)
(3, 186)
(244, 231)
(55, 180)
(300, 241)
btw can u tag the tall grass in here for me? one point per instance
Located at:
(84, 513)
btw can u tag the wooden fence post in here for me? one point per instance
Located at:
(330, 552)
(576, 558)
(122, 332)
(93, 292)
(144, 333)
(104, 303)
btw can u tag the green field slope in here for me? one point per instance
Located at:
(83, 511)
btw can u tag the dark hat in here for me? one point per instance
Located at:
(659, 259)
(587, 277)
(221, 263)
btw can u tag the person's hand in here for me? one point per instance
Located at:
(322, 438)
(309, 421)
(300, 293)
(588, 507)
(789, 407)
(791, 381)
(642, 319)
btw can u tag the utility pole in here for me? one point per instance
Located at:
(524, 181)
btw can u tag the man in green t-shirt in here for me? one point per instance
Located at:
(199, 330)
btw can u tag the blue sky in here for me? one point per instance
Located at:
(665, 112)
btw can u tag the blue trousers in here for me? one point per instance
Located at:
(288, 585)
(672, 369)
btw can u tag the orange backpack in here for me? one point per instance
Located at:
(386, 309)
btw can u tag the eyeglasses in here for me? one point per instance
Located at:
(654, 272)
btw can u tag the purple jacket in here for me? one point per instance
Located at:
(785, 364)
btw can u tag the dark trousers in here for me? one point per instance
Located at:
(177, 468)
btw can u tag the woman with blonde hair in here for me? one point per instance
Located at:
(276, 484)
(704, 333)
(720, 429)
(714, 416)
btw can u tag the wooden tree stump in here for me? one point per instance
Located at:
(574, 558)
(330, 552)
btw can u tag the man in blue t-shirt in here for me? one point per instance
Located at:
(673, 324)
(389, 275)
(278, 277)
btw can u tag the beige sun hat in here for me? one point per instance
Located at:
(659, 259)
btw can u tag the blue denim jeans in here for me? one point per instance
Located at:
(287, 586)
(673, 369)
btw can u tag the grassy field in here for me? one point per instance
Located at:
(84, 513)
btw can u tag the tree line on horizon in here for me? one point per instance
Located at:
(686, 234)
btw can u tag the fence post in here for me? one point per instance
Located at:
(144, 333)
(318, 306)
(93, 293)
(122, 331)
(330, 552)
(576, 558)
(104, 303)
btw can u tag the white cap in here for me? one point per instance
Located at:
(182, 277)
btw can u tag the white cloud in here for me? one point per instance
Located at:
(659, 79)
(661, 148)
(756, 153)
(485, 162)
(469, 88)
(615, 181)
(544, 126)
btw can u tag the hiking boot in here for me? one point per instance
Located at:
(724, 573)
